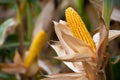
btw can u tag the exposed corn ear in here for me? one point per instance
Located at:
(78, 27)
(35, 48)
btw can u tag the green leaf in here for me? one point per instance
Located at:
(5, 76)
(7, 28)
(116, 67)
(6, 1)
(29, 21)
(80, 7)
(80, 4)
(107, 9)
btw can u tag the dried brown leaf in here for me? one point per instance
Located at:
(78, 46)
(75, 58)
(13, 68)
(96, 38)
(103, 38)
(90, 71)
(61, 27)
(101, 55)
(47, 66)
(113, 34)
(67, 76)
(58, 48)
(75, 66)
(17, 58)
(70, 47)
(70, 43)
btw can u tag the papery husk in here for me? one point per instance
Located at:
(69, 49)
(12, 68)
(74, 58)
(67, 76)
(102, 57)
(75, 66)
(72, 46)
(113, 34)
(90, 71)
(66, 40)
(82, 51)
(48, 67)
(17, 67)
(98, 72)
(74, 50)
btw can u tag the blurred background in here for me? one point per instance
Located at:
(22, 20)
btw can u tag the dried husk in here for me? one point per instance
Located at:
(77, 51)
(79, 56)
(66, 76)
(14, 68)
(73, 51)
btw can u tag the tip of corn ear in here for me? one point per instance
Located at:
(69, 9)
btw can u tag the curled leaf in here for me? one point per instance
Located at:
(113, 34)
(7, 28)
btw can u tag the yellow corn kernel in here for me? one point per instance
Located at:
(78, 27)
(35, 48)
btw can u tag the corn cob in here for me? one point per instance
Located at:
(78, 27)
(35, 48)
